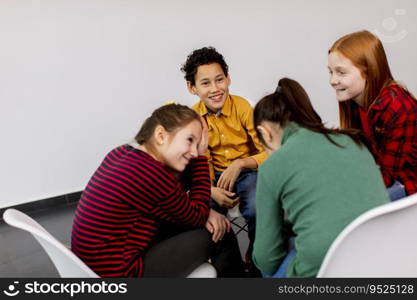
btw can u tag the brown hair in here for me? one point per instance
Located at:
(170, 116)
(290, 103)
(367, 54)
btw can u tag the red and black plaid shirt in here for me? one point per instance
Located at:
(392, 130)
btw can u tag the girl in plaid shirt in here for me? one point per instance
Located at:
(371, 101)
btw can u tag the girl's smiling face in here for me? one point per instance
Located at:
(345, 78)
(176, 149)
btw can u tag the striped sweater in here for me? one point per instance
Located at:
(125, 202)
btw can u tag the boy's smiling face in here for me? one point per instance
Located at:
(211, 85)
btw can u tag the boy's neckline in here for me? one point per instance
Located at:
(211, 112)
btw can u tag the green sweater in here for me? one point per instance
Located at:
(320, 188)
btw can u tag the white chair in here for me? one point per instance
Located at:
(382, 242)
(66, 262)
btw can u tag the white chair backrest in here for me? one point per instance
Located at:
(66, 262)
(382, 242)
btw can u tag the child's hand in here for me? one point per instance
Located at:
(224, 198)
(202, 146)
(229, 176)
(218, 225)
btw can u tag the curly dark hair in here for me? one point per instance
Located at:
(203, 56)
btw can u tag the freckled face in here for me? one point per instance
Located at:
(345, 78)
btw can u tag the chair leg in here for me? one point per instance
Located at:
(243, 227)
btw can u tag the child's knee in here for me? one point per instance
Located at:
(249, 209)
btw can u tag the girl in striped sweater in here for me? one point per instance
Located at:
(145, 212)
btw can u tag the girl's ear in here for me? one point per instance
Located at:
(265, 132)
(160, 135)
(191, 88)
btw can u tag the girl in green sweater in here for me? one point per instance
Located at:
(309, 190)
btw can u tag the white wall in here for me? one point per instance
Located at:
(77, 77)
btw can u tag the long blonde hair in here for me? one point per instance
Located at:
(367, 54)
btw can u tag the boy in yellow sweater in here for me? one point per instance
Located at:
(234, 150)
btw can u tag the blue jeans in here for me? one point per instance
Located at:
(281, 272)
(396, 191)
(245, 187)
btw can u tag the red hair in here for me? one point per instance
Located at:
(367, 54)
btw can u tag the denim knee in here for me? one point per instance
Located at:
(246, 188)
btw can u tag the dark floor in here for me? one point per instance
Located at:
(22, 256)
